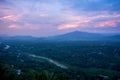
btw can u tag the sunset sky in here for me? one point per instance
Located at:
(53, 17)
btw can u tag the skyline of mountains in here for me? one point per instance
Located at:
(71, 36)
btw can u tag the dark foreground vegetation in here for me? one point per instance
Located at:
(86, 60)
(8, 72)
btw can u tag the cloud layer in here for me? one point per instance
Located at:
(52, 17)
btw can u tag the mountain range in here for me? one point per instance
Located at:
(71, 36)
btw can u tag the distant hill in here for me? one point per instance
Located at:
(77, 35)
(21, 38)
(71, 36)
(114, 38)
(24, 38)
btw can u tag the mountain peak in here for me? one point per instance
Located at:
(78, 35)
(76, 31)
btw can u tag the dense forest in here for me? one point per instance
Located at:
(84, 60)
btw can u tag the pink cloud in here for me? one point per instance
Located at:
(104, 16)
(110, 23)
(14, 26)
(13, 18)
(101, 20)
(74, 22)
(68, 26)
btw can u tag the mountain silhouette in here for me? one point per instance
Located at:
(77, 35)
(71, 36)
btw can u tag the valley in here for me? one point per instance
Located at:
(83, 58)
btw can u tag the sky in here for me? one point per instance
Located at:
(52, 17)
